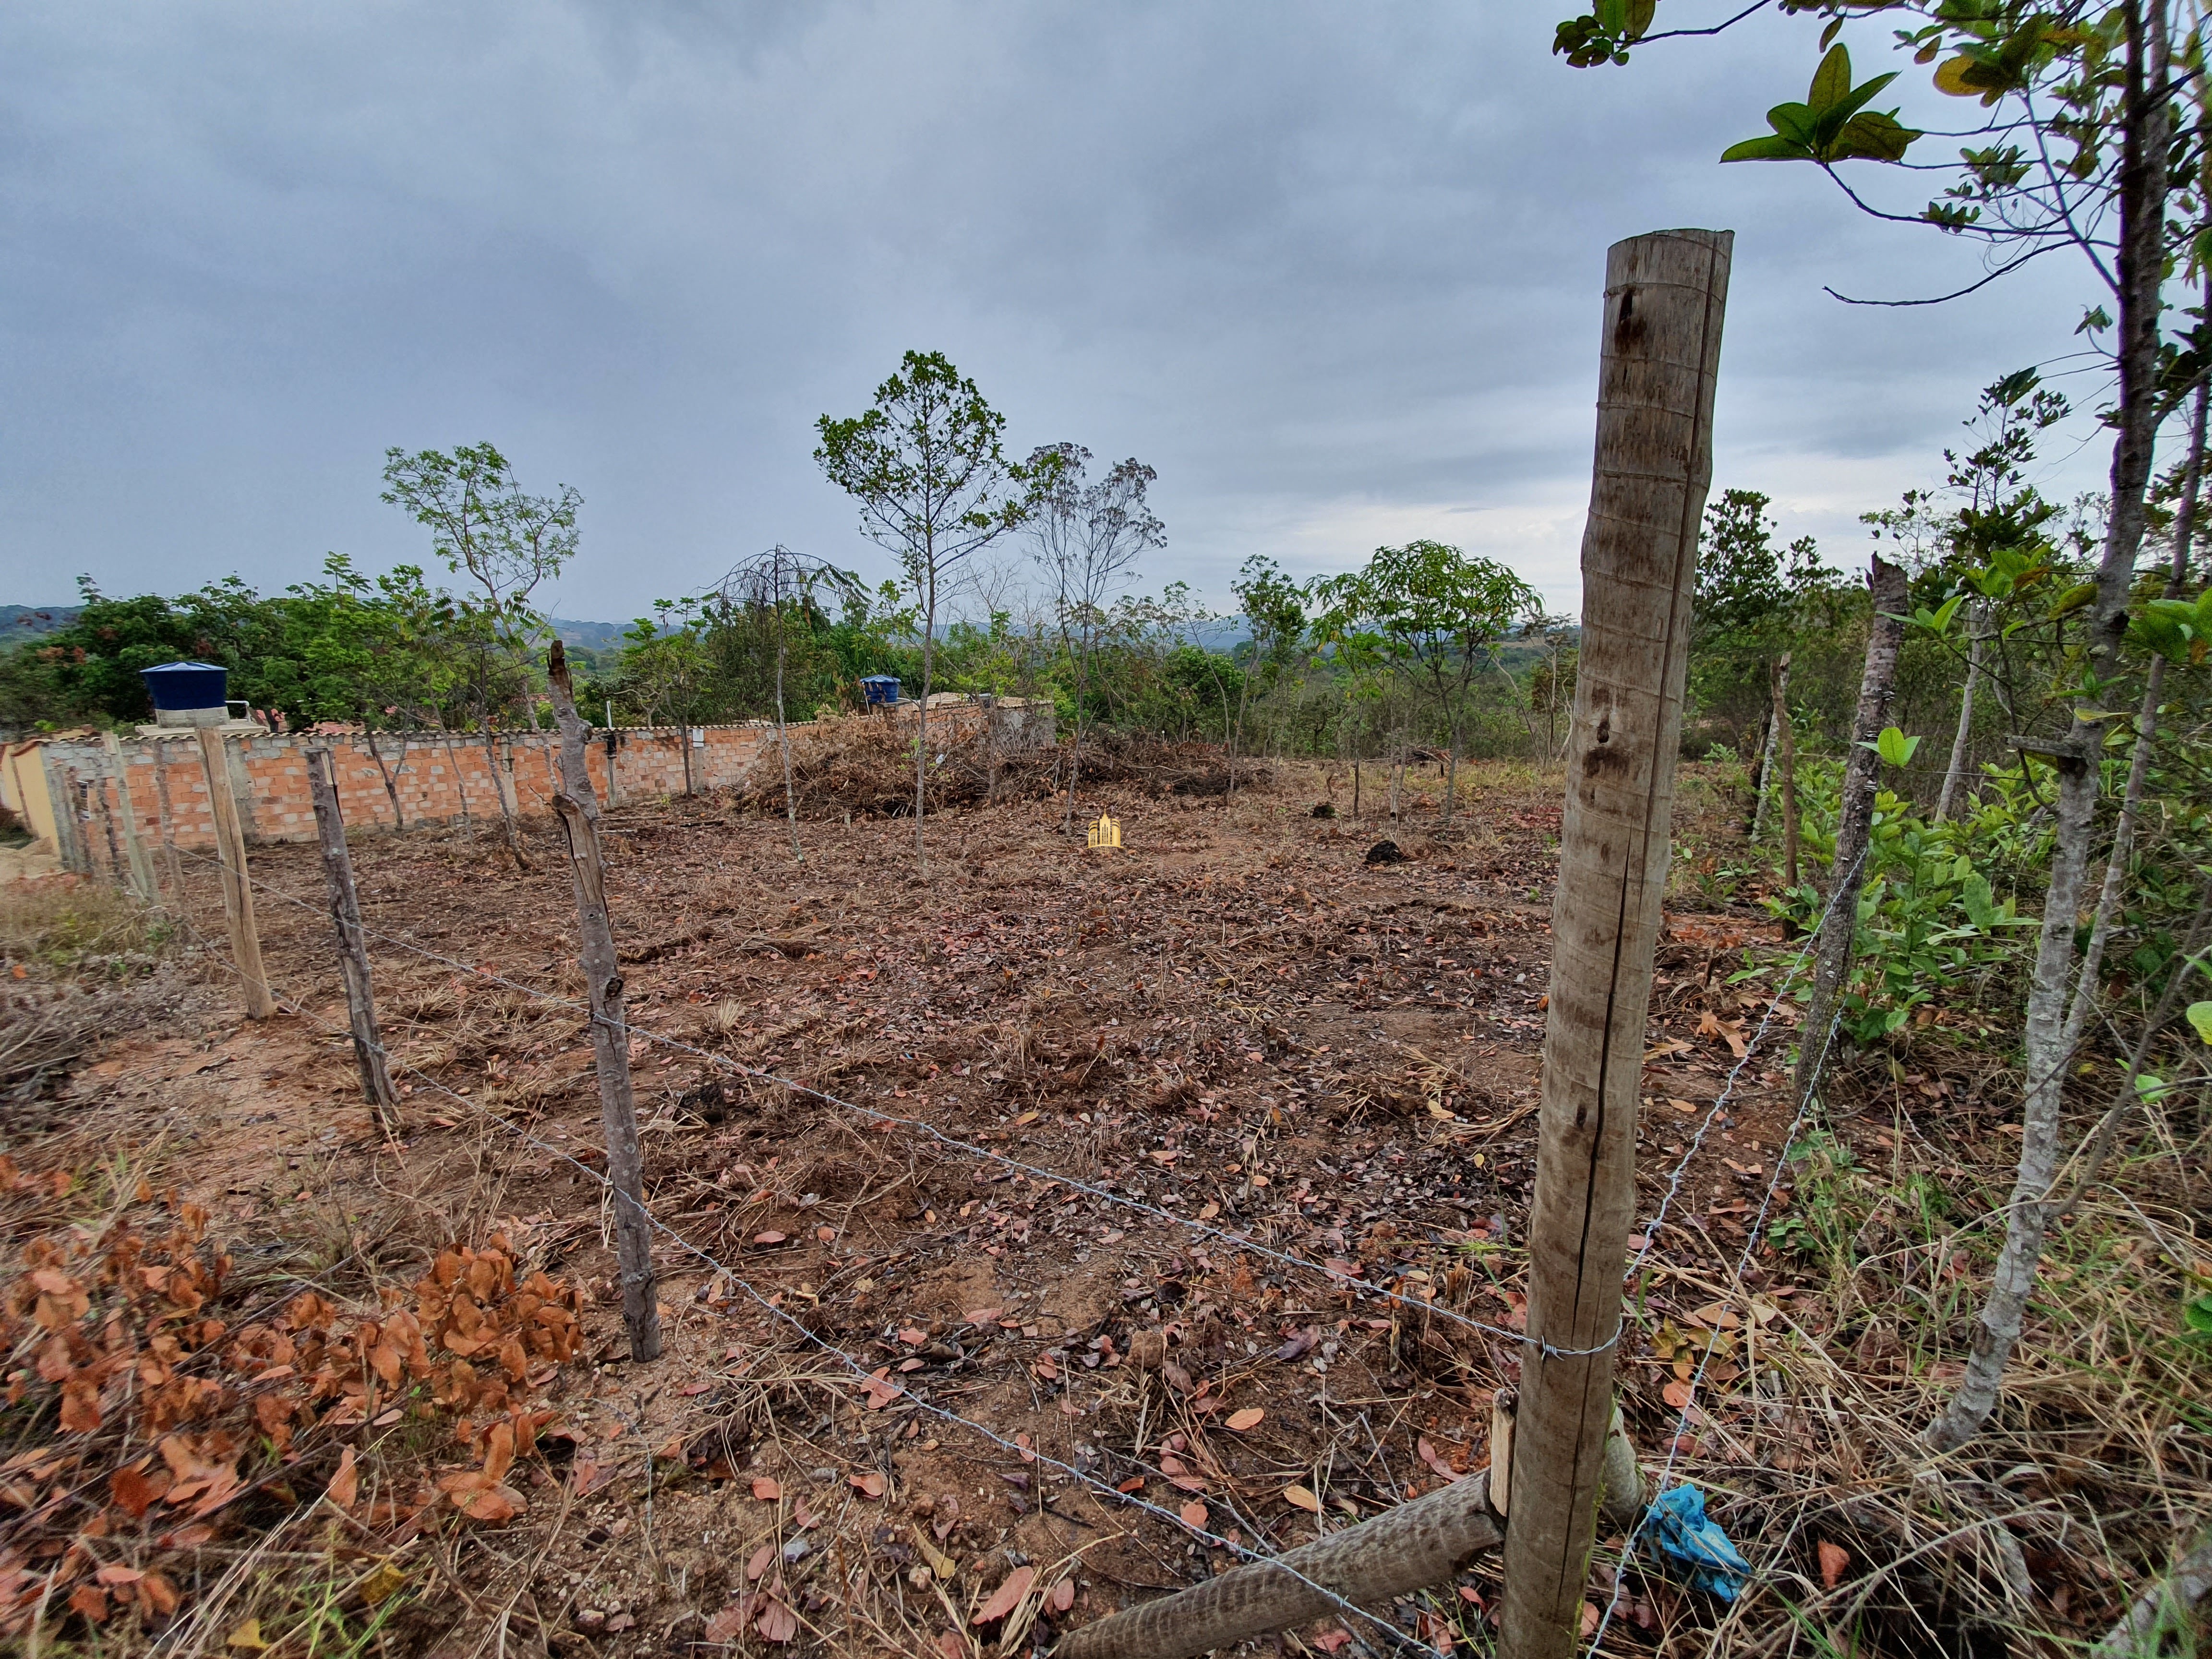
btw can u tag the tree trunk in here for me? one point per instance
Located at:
(2108, 899)
(1451, 775)
(1665, 295)
(578, 811)
(506, 827)
(783, 741)
(1954, 774)
(460, 783)
(1778, 678)
(921, 716)
(2143, 179)
(1839, 935)
(1788, 745)
(390, 784)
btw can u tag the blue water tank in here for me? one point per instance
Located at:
(188, 688)
(881, 687)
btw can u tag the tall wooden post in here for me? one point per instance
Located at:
(237, 892)
(142, 867)
(1664, 296)
(353, 944)
(108, 823)
(579, 808)
(168, 827)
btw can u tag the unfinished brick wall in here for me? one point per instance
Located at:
(438, 778)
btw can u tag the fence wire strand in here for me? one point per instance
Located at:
(887, 1119)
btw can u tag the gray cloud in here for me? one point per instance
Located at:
(1333, 271)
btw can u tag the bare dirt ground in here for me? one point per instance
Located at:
(1241, 1040)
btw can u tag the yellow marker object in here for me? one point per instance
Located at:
(1105, 834)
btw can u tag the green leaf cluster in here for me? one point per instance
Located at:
(1833, 124)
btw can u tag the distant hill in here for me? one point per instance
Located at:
(19, 623)
(589, 636)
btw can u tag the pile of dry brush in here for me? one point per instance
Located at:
(864, 769)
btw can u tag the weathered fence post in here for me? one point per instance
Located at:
(353, 944)
(237, 892)
(1831, 952)
(1664, 297)
(142, 867)
(579, 808)
(168, 826)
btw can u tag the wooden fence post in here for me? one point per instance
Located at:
(1664, 297)
(353, 944)
(578, 809)
(168, 826)
(142, 867)
(237, 892)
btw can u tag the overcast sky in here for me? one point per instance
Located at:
(1334, 270)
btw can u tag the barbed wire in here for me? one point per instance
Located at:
(853, 1363)
(1391, 1298)
(1698, 1377)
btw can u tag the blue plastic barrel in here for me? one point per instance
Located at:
(187, 686)
(881, 687)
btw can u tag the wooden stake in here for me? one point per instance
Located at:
(142, 867)
(168, 823)
(578, 809)
(353, 944)
(108, 823)
(1664, 297)
(237, 892)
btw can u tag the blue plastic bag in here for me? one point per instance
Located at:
(1677, 1528)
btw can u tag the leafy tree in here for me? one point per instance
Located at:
(2093, 142)
(1274, 607)
(1749, 605)
(510, 544)
(1088, 537)
(1432, 613)
(928, 467)
(667, 672)
(779, 593)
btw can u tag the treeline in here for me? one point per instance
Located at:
(1425, 650)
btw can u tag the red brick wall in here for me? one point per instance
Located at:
(436, 778)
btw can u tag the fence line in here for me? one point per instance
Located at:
(857, 1367)
(1743, 1261)
(1393, 1298)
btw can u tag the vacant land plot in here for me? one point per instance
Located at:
(1193, 1174)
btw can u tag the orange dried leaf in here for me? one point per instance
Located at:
(1834, 1558)
(1249, 1417)
(1008, 1596)
(345, 1486)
